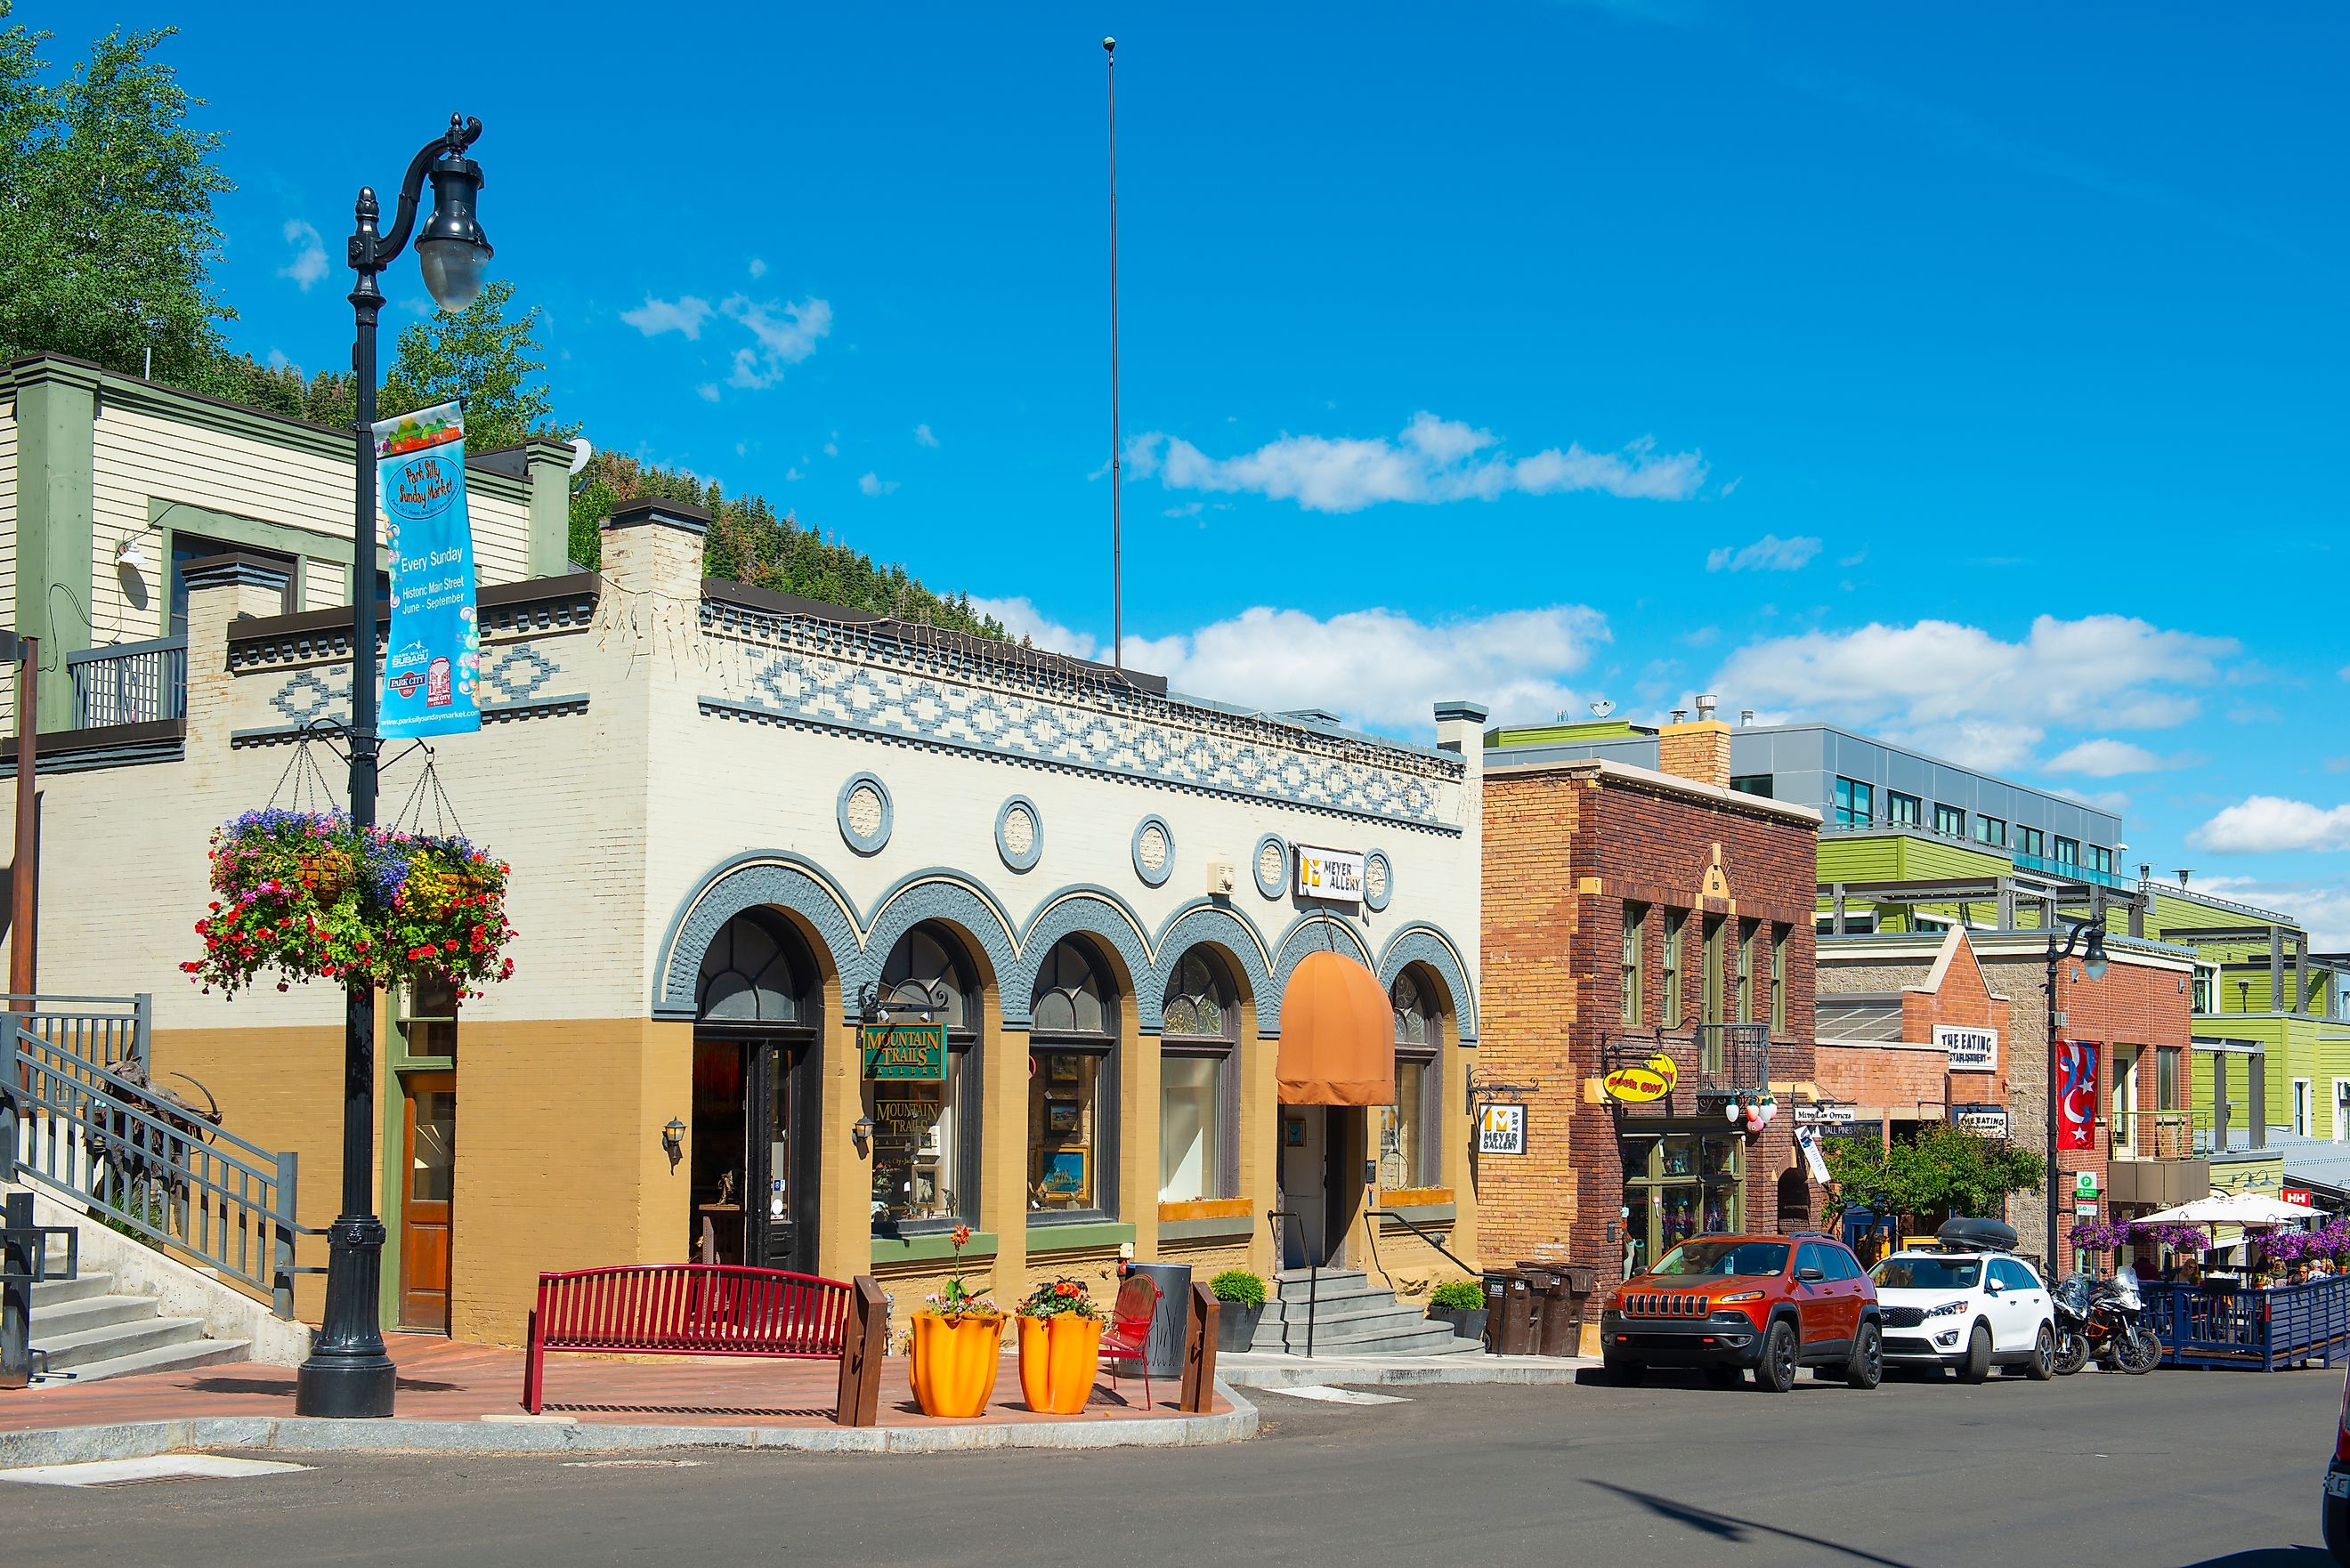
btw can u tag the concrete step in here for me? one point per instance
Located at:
(1290, 1281)
(1408, 1338)
(178, 1357)
(91, 1345)
(49, 1293)
(50, 1322)
(1369, 1304)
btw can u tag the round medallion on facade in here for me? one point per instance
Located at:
(1019, 832)
(1271, 865)
(1154, 851)
(1378, 880)
(865, 814)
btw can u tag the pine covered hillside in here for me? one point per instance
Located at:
(749, 544)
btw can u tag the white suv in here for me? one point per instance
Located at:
(1967, 1309)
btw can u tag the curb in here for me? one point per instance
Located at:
(1362, 1374)
(139, 1439)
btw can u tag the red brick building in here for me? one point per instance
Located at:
(1882, 1071)
(1631, 914)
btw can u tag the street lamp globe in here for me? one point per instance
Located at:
(2093, 961)
(453, 252)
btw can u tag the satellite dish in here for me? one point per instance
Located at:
(580, 452)
(1602, 708)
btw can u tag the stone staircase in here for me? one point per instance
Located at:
(88, 1329)
(1351, 1317)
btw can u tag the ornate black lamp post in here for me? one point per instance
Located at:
(348, 1373)
(2093, 965)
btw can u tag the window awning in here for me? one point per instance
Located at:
(1338, 1035)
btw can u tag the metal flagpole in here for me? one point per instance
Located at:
(1117, 564)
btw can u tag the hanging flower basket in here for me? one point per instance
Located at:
(307, 896)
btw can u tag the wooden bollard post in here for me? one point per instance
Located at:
(863, 1340)
(1200, 1354)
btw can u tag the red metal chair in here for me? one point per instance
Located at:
(1129, 1329)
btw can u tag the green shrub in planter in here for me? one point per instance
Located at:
(1465, 1295)
(1242, 1288)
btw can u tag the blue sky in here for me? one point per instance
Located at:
(1971, 375)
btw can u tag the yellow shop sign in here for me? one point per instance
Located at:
(1652, 1080)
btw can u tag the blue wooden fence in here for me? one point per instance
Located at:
(2247, 1326)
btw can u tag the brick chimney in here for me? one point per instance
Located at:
(1698, 751)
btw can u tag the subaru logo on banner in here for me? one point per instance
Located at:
(2077, 1093)
(432, 658)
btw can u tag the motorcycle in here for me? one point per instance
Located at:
(2105, 1319)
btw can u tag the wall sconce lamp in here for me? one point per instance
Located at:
(861, 1130)
(129, 555)
(673, 1141)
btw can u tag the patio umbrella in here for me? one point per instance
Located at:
(2232, 1208)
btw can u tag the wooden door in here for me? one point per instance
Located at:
(430, 1143)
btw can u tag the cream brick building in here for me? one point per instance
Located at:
(741, 826)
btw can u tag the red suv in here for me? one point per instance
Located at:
(1730, 1302)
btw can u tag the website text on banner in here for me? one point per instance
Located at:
(432, 656)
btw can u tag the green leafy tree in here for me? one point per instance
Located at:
(486, 356)
(1944, 1171)
(106, 237)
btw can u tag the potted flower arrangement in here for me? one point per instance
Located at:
(1060, 1347)
(308, 896)
(1462, 1304)
(958, 1339)
(1239, 1305)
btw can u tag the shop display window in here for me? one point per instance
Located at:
(1073, 1088)
(1409, 1141)
(1198, 1100)
(924, 1156)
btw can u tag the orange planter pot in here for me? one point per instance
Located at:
(1058, 1357)
(955, 1363)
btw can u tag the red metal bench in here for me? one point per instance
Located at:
(685, 1309)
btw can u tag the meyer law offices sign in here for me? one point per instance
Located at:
(1970, 1050)
(1333, 874)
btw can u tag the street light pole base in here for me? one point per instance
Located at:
(350, 1375)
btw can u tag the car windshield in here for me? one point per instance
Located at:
(1723, 1258)
(1927, 1273)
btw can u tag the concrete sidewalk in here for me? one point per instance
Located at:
(467, 1398)
(1258, 1370)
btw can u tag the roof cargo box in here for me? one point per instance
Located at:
(1985, 1235)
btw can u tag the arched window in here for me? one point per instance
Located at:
(926, 1133)
(757, 970)
(1073, 1086)
(1410, 1131)
(1199, 1086)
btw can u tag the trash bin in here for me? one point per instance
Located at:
(1163, 1350)
(1581, 1282)
(1559, 1322)
(1509, 1313)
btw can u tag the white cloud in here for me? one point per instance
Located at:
(1379, 669)
(683, 314)
(277, 359)
(708, 391)
(2265, 824)
(923, 436)
(1962, 693)
(1768, 553)
(2323, 908)
(1432, 462)
(758, 268)
(874, 485)
(786, 334)
(2105, 759)
(832, 448)
(309, 263)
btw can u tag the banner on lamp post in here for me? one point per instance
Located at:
(432, 652)
(2077, 1093)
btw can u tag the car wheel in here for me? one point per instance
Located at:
(1866, 1368)
(1625, 1373)
(2042, 1364)
(1723, 1376)
(2072, 1353)
(1977, 1367)
(1775, 1373)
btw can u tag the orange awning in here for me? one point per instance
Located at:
(1338, 1035)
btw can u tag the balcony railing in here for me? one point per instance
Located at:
(130, 682)
(2158, 1135)
(2072, 872)
(1715, 1059)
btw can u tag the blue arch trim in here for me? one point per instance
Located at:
(746, 881)
(940, 894)
(1210, 922)
(1428, 944)
(1309, 933)
(1099, 913)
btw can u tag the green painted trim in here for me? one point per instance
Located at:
(550, 508)
(56, 535)
(931, 1248)
(1424, 1213)
(1213, 1229)
(1561, 734)
(307, 545)
(1068, 1237)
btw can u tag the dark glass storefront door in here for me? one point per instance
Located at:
(755, 1182)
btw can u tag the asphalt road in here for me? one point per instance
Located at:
(2162, 1471)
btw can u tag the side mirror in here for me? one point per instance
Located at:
(1994, 1287)
(1809, 1276)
